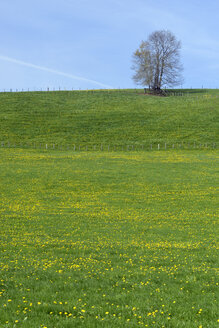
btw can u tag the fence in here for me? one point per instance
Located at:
(110, 147)
(48, 89)
(176, 93)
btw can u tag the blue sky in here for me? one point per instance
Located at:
(89, 44)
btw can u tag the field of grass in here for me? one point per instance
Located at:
(108, 239)
(114, 117)
(102, 239)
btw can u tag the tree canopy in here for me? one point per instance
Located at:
(157, 61)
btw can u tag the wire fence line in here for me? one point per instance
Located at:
(110, 147)
(177, 93)
(47, 89)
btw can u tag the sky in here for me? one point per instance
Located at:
(84, 44)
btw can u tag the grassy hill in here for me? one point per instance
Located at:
(115, 117)
(108, 239)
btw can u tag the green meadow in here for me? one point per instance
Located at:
(108, 239)
(108, 117)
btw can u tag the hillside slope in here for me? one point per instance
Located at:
(117, 117)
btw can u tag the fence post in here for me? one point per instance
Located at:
(158, 146)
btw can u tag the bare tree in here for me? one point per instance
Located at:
(157, 61)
